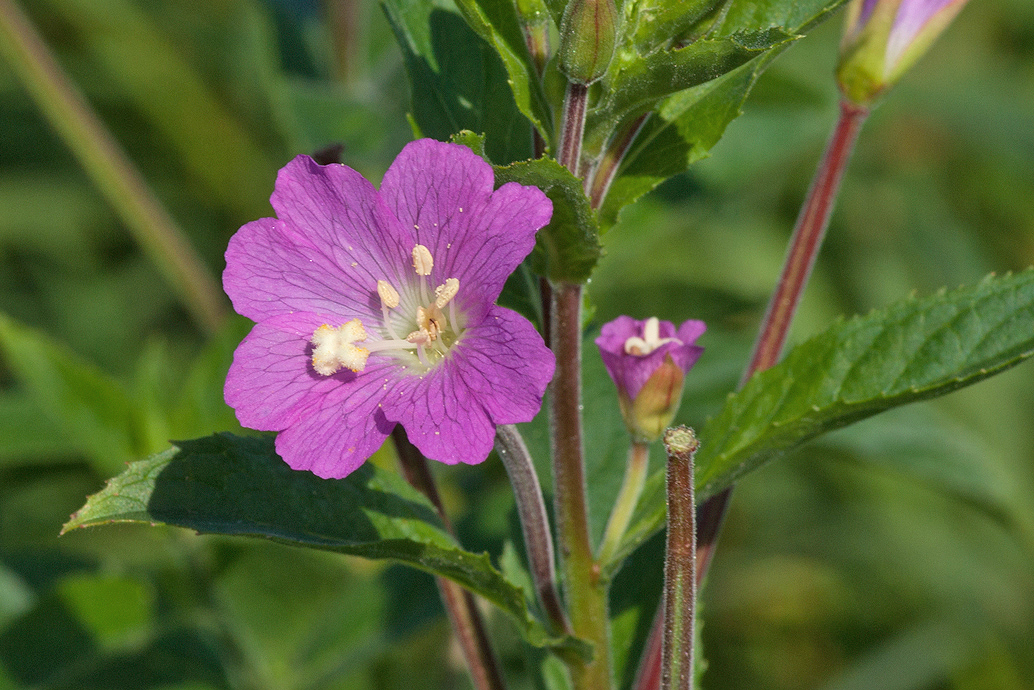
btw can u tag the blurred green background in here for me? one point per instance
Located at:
(896, 554)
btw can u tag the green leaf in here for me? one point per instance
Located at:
(496, 22)
(636, 83)
(457, 80)
(568, 248)
(687, 124)
(231, 485)
(913, 350)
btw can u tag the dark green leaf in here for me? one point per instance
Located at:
(231, 485)
(568, 248)
(496, 22)
(457, 80)
(914, 350)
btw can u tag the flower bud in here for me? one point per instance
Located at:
(648, 361)
(883, 38)
(588, 33)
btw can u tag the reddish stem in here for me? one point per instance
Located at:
(805, 243)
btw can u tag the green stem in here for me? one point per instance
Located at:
(109, 167)
(584, 590)
(628, 497)
(680, 563)
(467, 624)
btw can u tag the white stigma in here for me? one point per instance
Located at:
(334, 348)
(650, 341)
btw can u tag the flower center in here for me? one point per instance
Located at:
(650, 341)
(428, 319)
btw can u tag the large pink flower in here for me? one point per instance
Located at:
(374, 308)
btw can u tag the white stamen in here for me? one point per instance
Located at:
(423, 262)
(443, 294)
(389, 295)
(650, 341)
(335, 348)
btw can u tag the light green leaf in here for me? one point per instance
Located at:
(231, 485)
(913, 350)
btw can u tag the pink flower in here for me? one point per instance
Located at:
(648, 361)
(376, 308)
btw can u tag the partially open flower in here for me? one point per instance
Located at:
(883, 38)
(377, 307)
(648, 361)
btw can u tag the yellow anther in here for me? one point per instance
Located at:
(389, 295)
(422, 260)
(334, 348)
(443, 294)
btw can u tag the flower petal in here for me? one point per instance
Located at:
(444, 192)
(271, 384)
(272, 269)
(339, 211)
(496, 375)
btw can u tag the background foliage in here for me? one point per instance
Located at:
(897, 553)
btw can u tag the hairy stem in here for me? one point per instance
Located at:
(680, 564)
(584, 590)
(110, 168)
(604, 173)
(809, 231)
(467, 624)
(531, 508)
(569, 152)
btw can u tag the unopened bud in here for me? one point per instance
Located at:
(588, 33)
(884, 38)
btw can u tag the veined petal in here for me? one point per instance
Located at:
(271, 270)
(271, 383)
(444, 192)
(340, 212)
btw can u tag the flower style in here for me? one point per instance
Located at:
(648, 361)
(376, 308)
(884, 38)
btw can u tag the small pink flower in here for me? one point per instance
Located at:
(375, 308)
(648, 361)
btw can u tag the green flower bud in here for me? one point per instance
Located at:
(884, 38)
(588, 33)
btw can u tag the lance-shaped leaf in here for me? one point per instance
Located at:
(914, 350)
(687, 124)
(225, 484)
(457, 80)
(497, 23)
(636, 83)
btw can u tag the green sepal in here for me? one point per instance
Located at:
(238, 486)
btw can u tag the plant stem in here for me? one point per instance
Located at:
(628, 497)
(807, 239)
(110, 168)
(680, 586)
(569, 152)
(809, 231)
(464, 615)
(531, 508)
(607, 170)
(585, 593)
